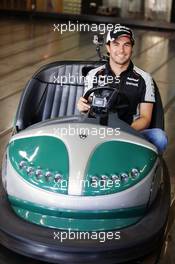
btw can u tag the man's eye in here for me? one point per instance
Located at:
(128, 45)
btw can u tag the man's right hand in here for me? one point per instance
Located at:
(83, 105)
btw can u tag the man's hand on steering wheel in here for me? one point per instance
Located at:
(83, 105)
(86, 104)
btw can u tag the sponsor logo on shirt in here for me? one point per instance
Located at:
(132, 79)
(132, 83)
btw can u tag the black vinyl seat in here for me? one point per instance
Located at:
(47, 96)
(54, 91)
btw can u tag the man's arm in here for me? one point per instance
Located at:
(144, 120)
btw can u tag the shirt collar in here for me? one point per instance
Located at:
(110, 72)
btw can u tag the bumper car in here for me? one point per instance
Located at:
(80, 188)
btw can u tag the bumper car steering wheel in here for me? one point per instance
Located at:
(102, 104)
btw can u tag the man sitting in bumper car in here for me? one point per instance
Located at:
(136, 84)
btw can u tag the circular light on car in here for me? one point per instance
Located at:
(48, 175)
(115, 177)
(58, 177)
(134, 173)
(124, 177)
(94, 179)
(30, 170)
(22, 164)
(104, 177)
(39, 173)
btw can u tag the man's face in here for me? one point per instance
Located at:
(120, 50)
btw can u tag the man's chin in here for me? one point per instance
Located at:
(120, 62)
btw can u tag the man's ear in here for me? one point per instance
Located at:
(108, 48)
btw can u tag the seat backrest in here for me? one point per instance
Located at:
(53, 92)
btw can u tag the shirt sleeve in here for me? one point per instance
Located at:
(148, 93)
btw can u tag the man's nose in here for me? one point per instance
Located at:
(121, 49)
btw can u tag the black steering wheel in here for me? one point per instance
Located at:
(117, 99)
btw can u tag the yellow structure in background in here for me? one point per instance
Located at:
(50, 6)
(16, 5)
(59, 6)
(54, 6)
(72, 7)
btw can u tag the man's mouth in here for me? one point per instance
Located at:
(121, 56)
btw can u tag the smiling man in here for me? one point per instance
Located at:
(136, 84)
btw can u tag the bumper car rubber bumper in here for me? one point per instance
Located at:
(135, 241)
